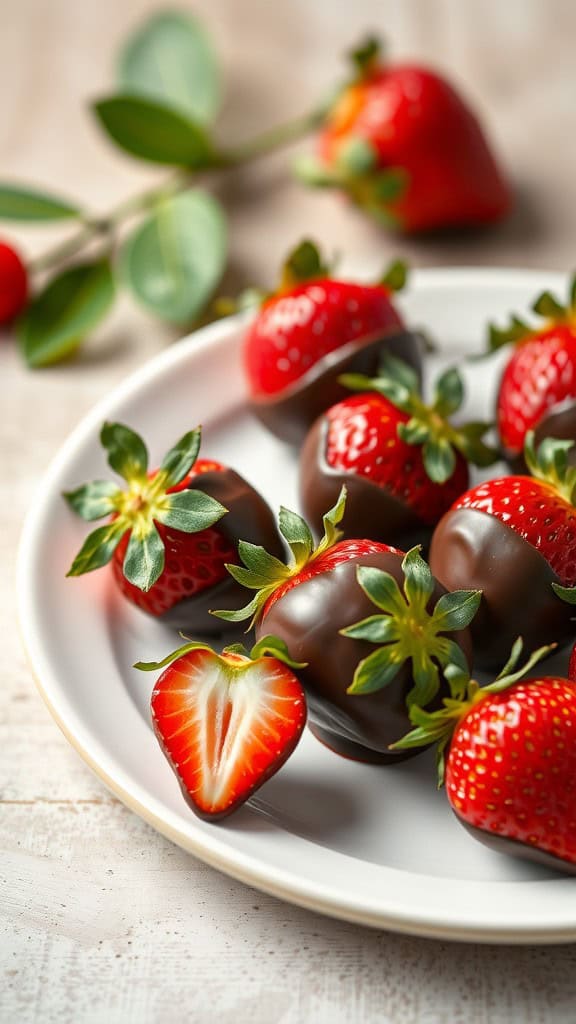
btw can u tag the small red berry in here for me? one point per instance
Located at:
(13, 283)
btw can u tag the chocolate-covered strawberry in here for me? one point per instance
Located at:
(403, 462)
(538, 385)
(508, 756)
(170, 531)
(226, 722)
(514, 538)
(371, 625)
(313, 328)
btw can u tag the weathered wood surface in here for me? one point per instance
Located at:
(101, 919)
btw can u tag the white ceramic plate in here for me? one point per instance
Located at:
(368, 844)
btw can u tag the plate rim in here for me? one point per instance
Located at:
(233, 862)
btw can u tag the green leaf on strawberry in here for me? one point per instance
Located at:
(546, 306)
(550, 464)
(407, 630)
(429, 425)
(147, 500)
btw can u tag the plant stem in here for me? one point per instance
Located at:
(253, 149)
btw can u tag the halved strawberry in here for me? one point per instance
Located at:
(226, 722)
(538, 386)
(511, 763)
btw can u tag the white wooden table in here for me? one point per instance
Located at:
(101, 919)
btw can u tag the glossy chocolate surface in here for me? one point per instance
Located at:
(513, 848)
(473, 550)
(248, 518)
(559, 422)
(308, 619)
(371, 511)
(290, 414)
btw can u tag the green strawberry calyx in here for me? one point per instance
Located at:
(405, 629)
(439, 726)
(235, 656)
(429, 424)
(264, 573)
(549, 463)
(546, 306)
(143, 502)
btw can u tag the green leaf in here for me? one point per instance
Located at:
(395, 276)
(154, 132)
(153, 666)
(413, 432)
(382, 589)
(378, 629)
(516, 331)
(449, 392)
(170, 59)
(178, 462)
(189, 511)
(418, 580)
(304, 263)
(390, 185)
(249, 611)
(27, 204)
(98, 548)
(572, 294)
(175, 258)
(356, 156)
(60, 316)
(260, 561)
(144, 559)
(313, 172)
(377, 670)
(295, 531)
(273, 647)
(366, 54)
(93, 500)
(546, 305)
(567, 594)
(400, 371)
(127, 453)
(439, 460)
(330, 521)
(456, 610)
(426, 678)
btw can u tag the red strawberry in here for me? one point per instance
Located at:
(13, 283)
(538, 386)
(331, 604)
(226, 722)
(167, 554)
(408, 150)
(511, 765)
(514, 538)
(311, 329)
(403, 461)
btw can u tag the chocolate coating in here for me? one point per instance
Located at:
(471, 549)
(248, 518)
(308, 618)
(559, 422)
(513, 848)
(290, 414)
(371, 511)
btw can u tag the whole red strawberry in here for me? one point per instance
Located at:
(407, 149)
(226, 722)
(168, 555)
(514, 538)
(310, 330)
(331, 605)
(538, 386)
(510, 770)
(402, 461)
(13, 283)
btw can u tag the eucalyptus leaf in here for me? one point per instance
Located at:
(175, 258)
(28, 204)
(60, 316)
(152, 131)
(170, 58)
